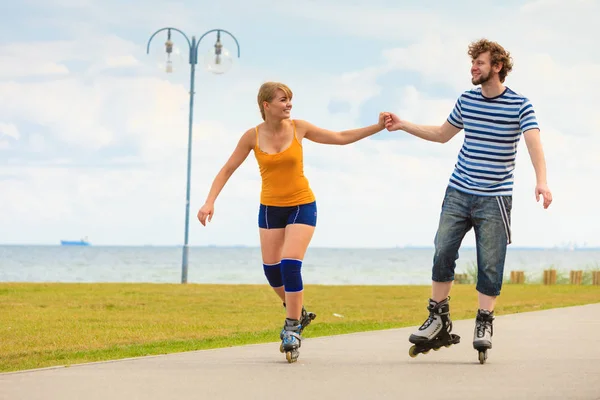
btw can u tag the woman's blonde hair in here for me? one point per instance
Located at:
(267, 93)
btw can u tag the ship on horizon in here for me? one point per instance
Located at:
(82, 242)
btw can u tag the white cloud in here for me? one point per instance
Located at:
(367, 20)
(439, 59)
(71, 114)
(9, 130)
(10, 69)
(89, 109)
(50, 57)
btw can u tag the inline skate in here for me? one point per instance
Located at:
(291, 334)
(482, 335)
(435, 331)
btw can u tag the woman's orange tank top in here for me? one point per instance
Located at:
(283, 180)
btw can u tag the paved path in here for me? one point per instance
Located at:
(552, 354)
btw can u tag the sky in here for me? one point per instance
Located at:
(93, 133)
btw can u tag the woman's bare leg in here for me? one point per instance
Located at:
(271, 246)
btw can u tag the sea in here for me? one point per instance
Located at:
(243, 265)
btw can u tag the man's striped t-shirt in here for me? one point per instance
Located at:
(493, 128)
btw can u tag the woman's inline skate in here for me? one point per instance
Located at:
(291, 335)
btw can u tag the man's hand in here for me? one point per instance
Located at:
(543, 190)
(392, 122)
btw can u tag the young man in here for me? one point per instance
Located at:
(479, 193)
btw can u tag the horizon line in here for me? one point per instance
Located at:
(553, 247)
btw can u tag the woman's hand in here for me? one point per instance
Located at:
(207, 210)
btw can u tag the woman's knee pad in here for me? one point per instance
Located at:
(273, 274)
(292, 277)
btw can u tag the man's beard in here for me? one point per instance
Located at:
(481, 79)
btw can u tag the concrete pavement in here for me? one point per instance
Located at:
(551, 354)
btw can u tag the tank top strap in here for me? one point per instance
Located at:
(294, 125)
(256, 130)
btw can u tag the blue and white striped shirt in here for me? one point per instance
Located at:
(493, 128)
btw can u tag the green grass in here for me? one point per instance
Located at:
(45, 325)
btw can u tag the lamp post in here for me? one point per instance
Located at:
(217, 61)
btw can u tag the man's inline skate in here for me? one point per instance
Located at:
(291, 335)
(435, 331)
(482, 335)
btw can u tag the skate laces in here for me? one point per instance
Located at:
(428, 321)
(483, 322)
(482, 326)
(433, 311)
(431, 318)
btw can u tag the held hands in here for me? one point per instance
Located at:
(205, 211)
(542, 189)
(383, 117)
(392, 122)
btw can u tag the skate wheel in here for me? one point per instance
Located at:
(291, 356)
(482, 357)
(281, 348)
(412, 352)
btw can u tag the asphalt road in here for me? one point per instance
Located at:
(551, 354)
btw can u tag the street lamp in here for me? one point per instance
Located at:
(217, 61)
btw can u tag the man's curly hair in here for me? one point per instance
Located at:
(497, 54)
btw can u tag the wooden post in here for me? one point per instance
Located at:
(595, 277)
(576, 277)
(549, 277)
(517, 277)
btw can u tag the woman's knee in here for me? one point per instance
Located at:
(273, 274)
(291, 274)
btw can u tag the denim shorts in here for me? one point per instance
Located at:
(489, 216)
(274, 217)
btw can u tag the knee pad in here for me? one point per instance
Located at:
(290, 272)
(273, 274)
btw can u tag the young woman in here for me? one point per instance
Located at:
(288, 211)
